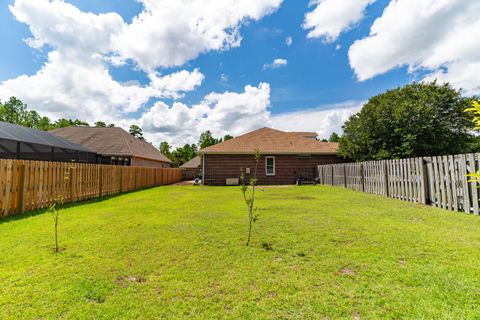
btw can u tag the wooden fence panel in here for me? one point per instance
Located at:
(29, 185)
(440, 181)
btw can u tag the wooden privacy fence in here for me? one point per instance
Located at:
(30, 185)
(440, 181)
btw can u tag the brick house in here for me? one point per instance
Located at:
(115, 146)
(285, 156)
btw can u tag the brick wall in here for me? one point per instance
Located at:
(287, 167)
(140, 162)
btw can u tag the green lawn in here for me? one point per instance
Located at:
(178, 252)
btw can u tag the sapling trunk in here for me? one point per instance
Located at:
(56, 232)
(250, 201)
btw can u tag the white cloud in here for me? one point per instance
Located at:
(277, 63)
(238, 113)
(171, 84)
(222, 113)
(324, 120)
(169, 33)
(289, 41)
(75, 81)
(332, 17)
(439, 36)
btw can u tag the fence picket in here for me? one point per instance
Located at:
(29, 185)
(440, 181)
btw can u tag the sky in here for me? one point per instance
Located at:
(178, 68)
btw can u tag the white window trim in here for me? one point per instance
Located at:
(266, 168)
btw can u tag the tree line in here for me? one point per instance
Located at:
(187, 152)
(14, 111)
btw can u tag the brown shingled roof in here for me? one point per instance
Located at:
(271, 141)
(193, 163)
(110, 141)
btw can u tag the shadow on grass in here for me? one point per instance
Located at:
(21, 216)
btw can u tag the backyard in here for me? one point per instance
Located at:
(179, 252)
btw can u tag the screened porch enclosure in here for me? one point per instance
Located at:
(17, 142)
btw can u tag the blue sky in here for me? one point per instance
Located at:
(323, 75)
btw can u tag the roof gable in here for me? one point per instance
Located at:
(111, 142)
(192, 163)
(272, 141)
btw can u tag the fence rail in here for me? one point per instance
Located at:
(30, 185)
(439, 181)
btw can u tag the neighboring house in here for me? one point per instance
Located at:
(191, 169)
(115, 146)
(17, 142)
(285, 156)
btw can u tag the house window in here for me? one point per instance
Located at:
(270, 166)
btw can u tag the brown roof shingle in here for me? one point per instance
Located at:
(271, 141)
(193, 163)
(110, 142)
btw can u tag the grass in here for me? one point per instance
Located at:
(179, 252)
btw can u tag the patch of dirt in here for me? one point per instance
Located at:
(304, 198)
(130, 279)
(275, 186)
(347, 271)
(272, 294)
(183, 183)
(356, 316)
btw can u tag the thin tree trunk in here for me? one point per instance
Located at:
(56, 235)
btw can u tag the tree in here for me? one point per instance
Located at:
(334, 137)
(15, 111)
(419, 119)
(165, 148)
(475, 109)
(227, 137)
(207, 140)
(136, 131)
(100, 124)
(183, 154)
(60, 123)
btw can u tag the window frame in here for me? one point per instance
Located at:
(266, 165)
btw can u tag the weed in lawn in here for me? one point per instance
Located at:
(267, 246)
(94, 291)
(301, 254)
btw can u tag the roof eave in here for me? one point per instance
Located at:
(267, 152)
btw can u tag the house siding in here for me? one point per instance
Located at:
(287, 167)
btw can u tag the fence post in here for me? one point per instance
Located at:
(385, 178)
(345, 175)
(100, 180)
(121, 179)
(135, 178)
(423, 181)
(21, 188)
(333, 175)
(362, 176)
(73, 180)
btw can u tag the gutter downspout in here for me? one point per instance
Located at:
(203, 169)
